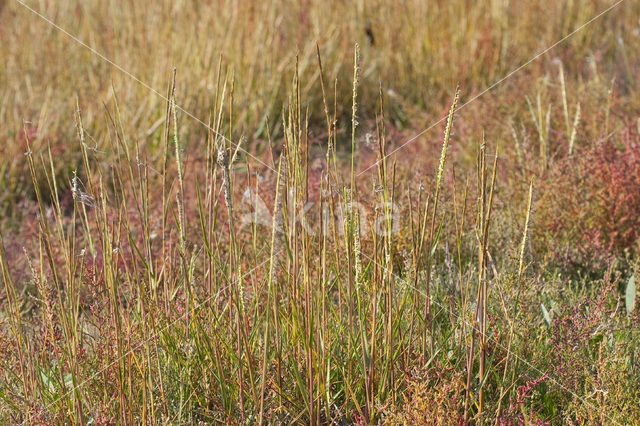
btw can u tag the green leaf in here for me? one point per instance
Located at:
(630, 294)
(545, 315)
(436, 240)
(47, 382)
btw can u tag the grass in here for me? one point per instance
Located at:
(282, 257)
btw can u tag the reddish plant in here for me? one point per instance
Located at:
(572, 334)
(524, 393)
(615, 170)
(592, 202)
